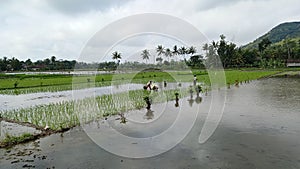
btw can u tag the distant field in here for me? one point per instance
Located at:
(21, 83)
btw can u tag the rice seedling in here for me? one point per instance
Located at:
(67, 114)
(54, 83)
(12, 140)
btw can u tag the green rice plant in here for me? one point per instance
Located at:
(12, 140)
(68, 114)
(54, 83)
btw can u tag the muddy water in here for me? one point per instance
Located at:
(13, 129)
(8, 102)
(260, 128)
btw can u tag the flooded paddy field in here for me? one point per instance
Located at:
(8, 102)
(260, 128)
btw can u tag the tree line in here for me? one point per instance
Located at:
(266, 55)
(49, 64)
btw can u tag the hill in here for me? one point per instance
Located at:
(288, 30)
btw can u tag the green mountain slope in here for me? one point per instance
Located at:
(288, 30)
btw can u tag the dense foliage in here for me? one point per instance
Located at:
(13, 64)
(266, 55)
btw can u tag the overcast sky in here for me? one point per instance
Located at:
(38, 29)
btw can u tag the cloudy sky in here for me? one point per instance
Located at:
(38, 29)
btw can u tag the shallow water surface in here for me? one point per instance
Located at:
(13, 129)
(260, 128)
(8, 102)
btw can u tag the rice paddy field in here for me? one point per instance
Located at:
(67, 114)
(24, 84)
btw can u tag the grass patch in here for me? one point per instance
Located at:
(13, 140)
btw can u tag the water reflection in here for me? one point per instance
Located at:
(191, 101)
(198, 89)
(262, 128)
(191, 92)
(149, 114)
(198, 99)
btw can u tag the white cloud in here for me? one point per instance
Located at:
(38, 29)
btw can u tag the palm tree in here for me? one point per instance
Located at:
(116, 56)
(182, 51)
(175, 50)
(160, 50)
(145, 55)
(168, 53)
(215, 44)
(222, 37)
(205, 47)
(192, 50)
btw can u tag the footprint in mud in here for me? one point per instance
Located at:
(15, 161)
(59, 96)
(40, 97)
(24, 156)
(28, 166)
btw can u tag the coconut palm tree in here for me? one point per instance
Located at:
(215, 44)
(160, 50)
(182, 51)
(222, 37)
(116, 56)
(192, 50)
(205, 48)
(175, 51)
(168, 53)
(145, 54)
